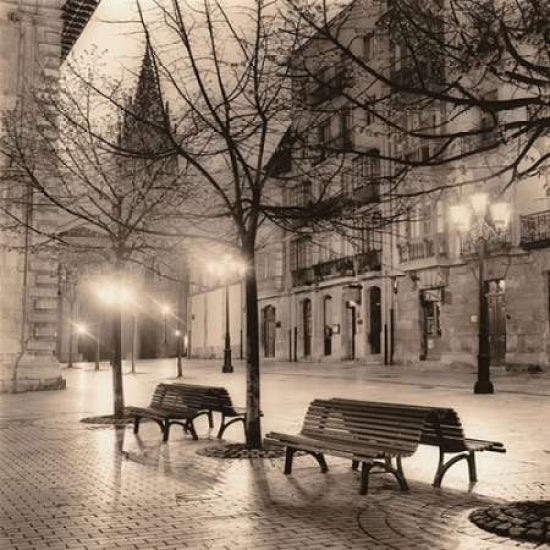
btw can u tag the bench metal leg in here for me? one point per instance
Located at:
(354, 464)
(289, 455)
(320, 458)
(136, 423)
(365, 471)
(400, 475)
(209, 415)
(387, 467)
(444, 466)
(166, 431)
(191, 429)
(472, 470)
(225, 425)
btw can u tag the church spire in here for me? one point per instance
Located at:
(146, 110)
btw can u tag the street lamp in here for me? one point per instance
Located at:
(481, 223)
(165, 311)
(227, 267)
(178, 335)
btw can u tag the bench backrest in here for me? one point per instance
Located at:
(447, 433)
(158, 396)
(441, 427)
(179, 396)
(376, 425)
(194, 396)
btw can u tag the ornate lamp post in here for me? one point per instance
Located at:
(225, 269)
(481, 223)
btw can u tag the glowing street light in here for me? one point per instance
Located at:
(481, 222)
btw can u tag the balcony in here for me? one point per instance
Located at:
(371, 260)
(332, 88)
(497, 243)
(303, 276)
(413, 76)
(486, 139)
(340, 267)
(423, 248)
(535, 230)
(347, 266)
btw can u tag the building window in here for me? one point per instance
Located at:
(365, 172)
(323, 139)
(345, 121)
(301, 194)
(300, 253)
(368, 47)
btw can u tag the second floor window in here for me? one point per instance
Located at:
(301, 194)
(366, 173)
(300, 253)
(368, 47)
(323, 138)
(346, 136)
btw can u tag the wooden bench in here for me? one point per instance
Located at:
(174, 404)
(443, 429)
(449, 437)
(373, 434)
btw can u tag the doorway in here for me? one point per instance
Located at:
(375, 315)
(327, 323)
(306, 324)
(496, 305)
(430, 319)
(269, 326)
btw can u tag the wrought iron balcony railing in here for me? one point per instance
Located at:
(535, 230)
(303, 276)
(423, 248)
(370, 260)
(498, 242)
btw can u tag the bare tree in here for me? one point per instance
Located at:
(461, 81)
(59, 163)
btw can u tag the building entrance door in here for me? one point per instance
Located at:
(327, 315)
(269, 331)
(430, 304)
(375, 314)
(496, 306)
(306, 324)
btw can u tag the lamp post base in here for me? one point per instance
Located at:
(484, 386)
(227, 366)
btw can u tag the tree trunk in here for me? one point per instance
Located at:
(253, 426)
(116, 334)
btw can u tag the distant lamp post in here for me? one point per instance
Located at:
(178, 335)
(481, 222)
(165, 312)
(226, 269)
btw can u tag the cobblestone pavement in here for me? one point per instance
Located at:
(65, 484)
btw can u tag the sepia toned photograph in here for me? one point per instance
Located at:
(274, 274)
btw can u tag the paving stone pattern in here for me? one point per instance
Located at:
(65, 484)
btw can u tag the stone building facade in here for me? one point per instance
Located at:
(35, 38)
(410, 294)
